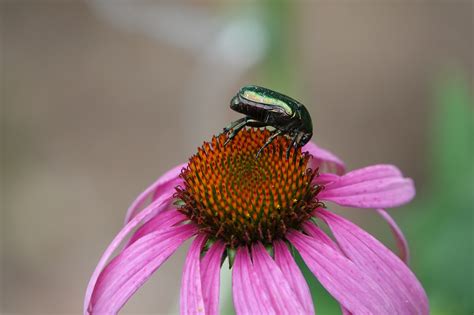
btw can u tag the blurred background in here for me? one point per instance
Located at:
(99, 98)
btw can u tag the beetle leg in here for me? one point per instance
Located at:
(269, 140)
(246, 121)
(233, 124)
(292, 144)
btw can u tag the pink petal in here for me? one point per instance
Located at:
(347, 283)
(324, 159)
(136, 221)
(132, 267)
(248, 292)
(191, 297)
(210, 277)
(163, 185)
(400, 239)
(379, 186)
(282, 296)
(369, 173)
(293, 275)
(326, 178)
(378, 262)
(163, 219)
(316, 232)
(319, 234)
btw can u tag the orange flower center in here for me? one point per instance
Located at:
(239, 199)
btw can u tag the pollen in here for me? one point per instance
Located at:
(240, 199)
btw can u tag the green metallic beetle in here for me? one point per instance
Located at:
(263, 107)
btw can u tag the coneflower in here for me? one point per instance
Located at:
(253, 212)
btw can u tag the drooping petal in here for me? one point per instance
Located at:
(162, 186)
(324, 159)
(136, 221)
(282, 296)
(379, 186)
(191, 297)
(210, 277)
(378, 262)
(162, 220)
(400, 239)
(293, 275)
(347, 283)
(248, 292)
(132, 267)
(316, 232)
(319, 234)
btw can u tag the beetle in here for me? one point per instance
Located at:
(263, 107)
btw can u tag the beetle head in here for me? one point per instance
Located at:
(234, 102)
(304, 138)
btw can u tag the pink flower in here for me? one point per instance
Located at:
(244, 209)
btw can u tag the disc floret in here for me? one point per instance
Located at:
(239, 199)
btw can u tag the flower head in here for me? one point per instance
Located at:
(234, 197)
(238, 207)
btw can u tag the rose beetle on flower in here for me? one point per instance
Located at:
(263, 107)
